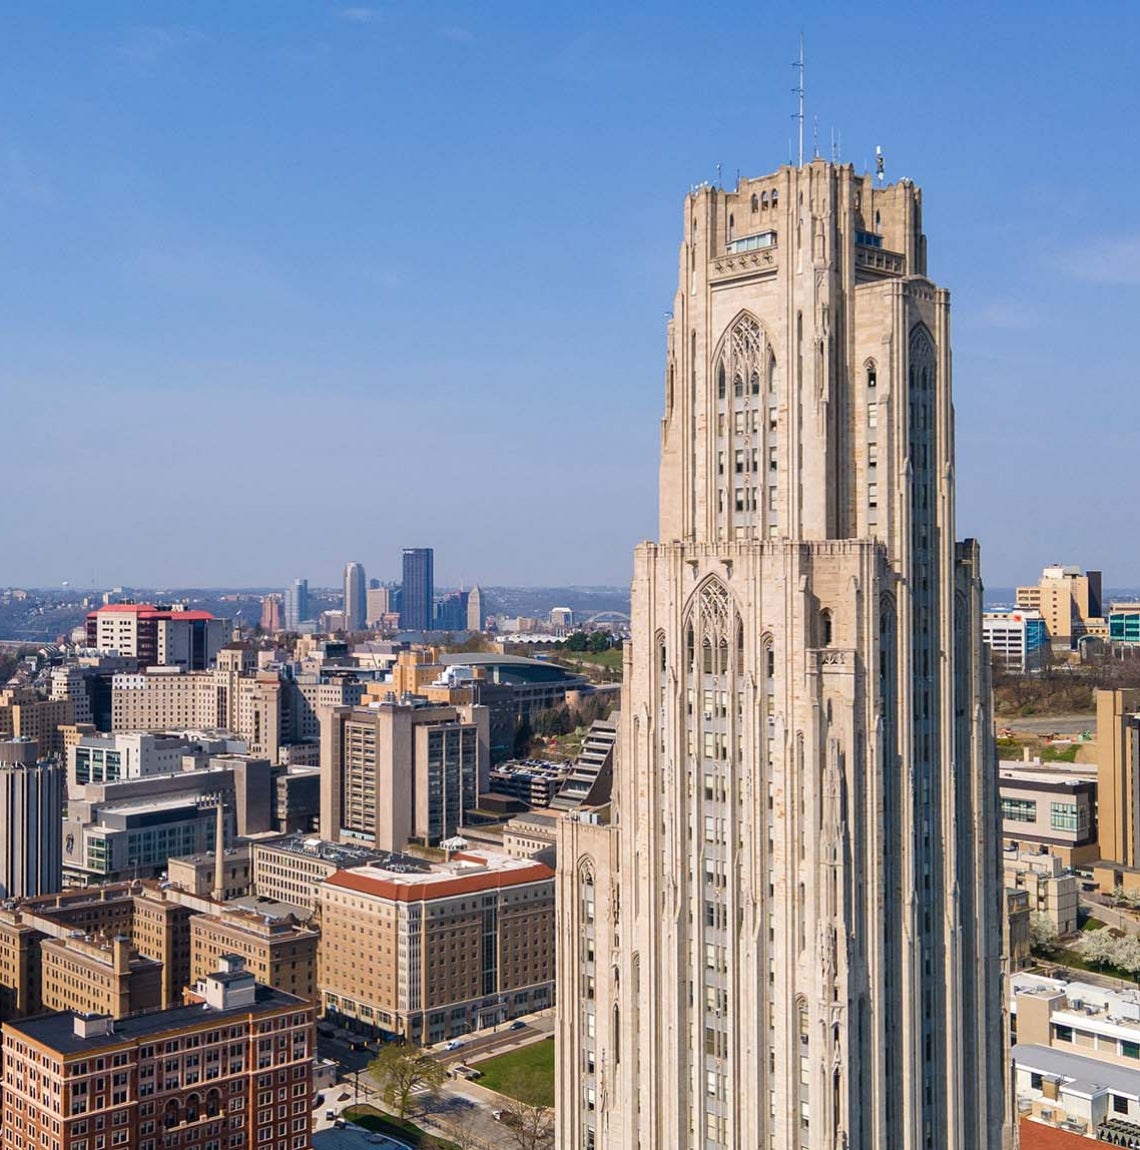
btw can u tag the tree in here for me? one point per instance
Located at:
(529, 1122)
(1042, 933)
(1126, 954)
(579, 641)
(460, 1134)
(599, 642)
(1097, 947)
(529, 1126)
(401, 1070)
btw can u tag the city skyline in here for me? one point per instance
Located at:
(155, 292)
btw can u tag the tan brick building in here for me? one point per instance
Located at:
(1069, 602)
(277, 951)
(158, 928)
(99, 976)
(435, 952)
(25, 715)
(398, 771)
(231, 1068)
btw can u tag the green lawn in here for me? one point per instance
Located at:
(610, 660)
(526, 1074)
(372, 1119)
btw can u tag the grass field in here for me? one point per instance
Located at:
(526, 1074)
(372, 1119)
(585, 660)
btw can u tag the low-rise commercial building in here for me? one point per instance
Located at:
(534, 781)
(131, 828)
(433, 952)
(1050, 807)
(1053, 890)
(532, 836)
(1077, 1057)
(1069, 602)
(198, 874)
(1018, 640)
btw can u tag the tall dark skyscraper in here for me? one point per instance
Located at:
(418, 589)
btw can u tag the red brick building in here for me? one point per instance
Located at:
(231, 1070)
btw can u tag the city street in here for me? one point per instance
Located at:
(459, 1101)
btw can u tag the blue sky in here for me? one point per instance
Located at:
(286, 284)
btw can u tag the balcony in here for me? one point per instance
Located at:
(876, 261)
(747, 257)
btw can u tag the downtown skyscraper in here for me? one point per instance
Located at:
(784, 933)
(355, 597)
(296, 604)
(417, 599)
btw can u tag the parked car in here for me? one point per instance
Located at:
(330, 1115)
(518, 1024)
(454, 1044)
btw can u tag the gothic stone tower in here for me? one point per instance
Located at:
(785, 932)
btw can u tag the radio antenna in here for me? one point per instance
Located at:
(799, 90)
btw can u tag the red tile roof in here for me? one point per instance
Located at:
(429, 885)
(147, 611)
(1039, 1136)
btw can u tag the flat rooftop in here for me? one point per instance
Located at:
(343, 855)
(468, 872)
(1078, 1074)
(57, 1031)
(1047, 776)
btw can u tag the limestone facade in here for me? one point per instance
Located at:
(786, 930)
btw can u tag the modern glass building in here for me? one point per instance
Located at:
(1124, 623)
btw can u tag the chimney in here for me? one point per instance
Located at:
(220, 856)
(121, 953)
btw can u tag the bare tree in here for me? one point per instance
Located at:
(529, 1126)
(459, 1132)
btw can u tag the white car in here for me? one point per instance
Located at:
(454, 1044)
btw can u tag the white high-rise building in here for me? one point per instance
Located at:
(355, 597)
(784, 932)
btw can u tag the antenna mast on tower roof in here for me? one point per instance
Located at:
(799, 89)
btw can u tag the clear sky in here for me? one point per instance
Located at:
(290, 283)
